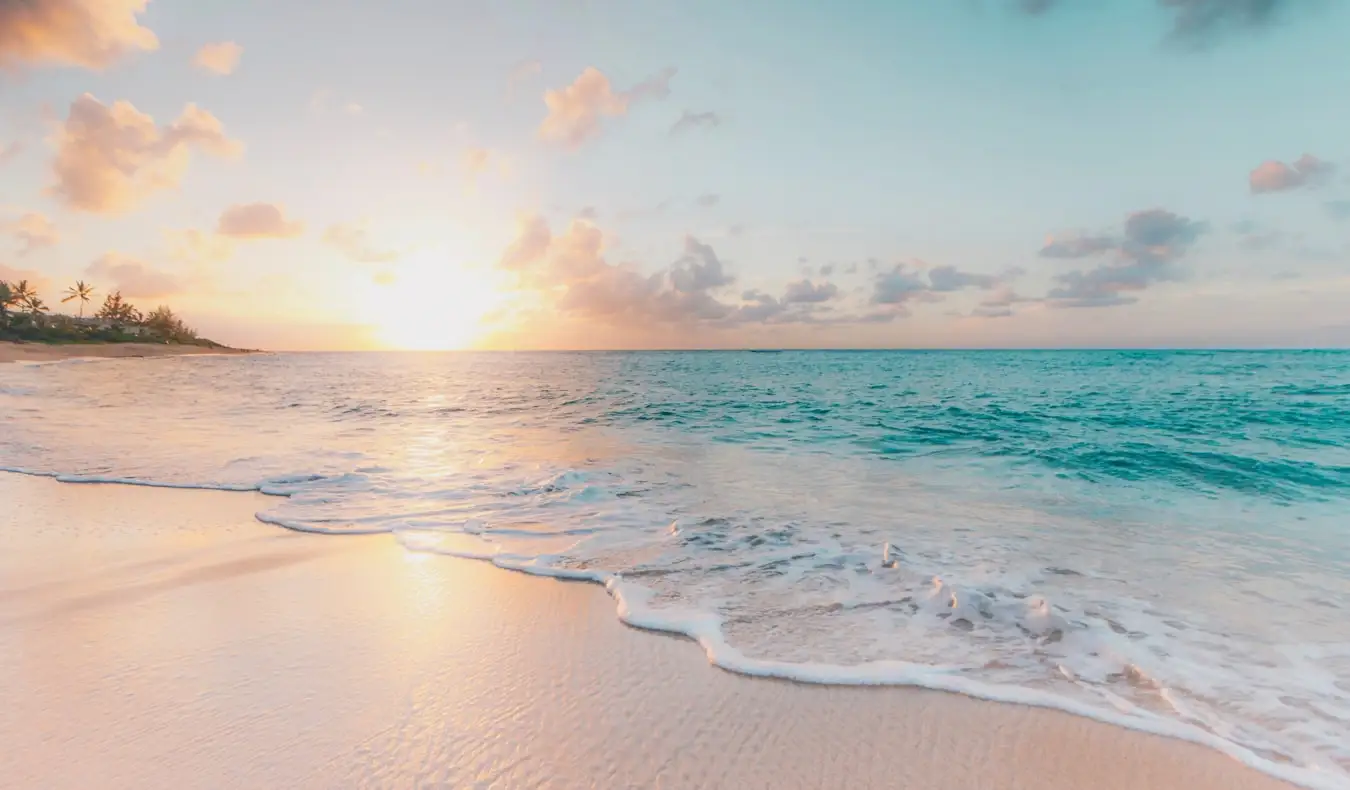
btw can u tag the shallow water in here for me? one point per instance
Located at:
(1155, 538)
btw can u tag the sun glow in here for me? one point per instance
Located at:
(429, 302)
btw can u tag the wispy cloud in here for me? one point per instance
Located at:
(220, 58)
(1197, 23)
(1200, 21)
(32, 231)
(690, 120)
(258, 221)
(574, 112)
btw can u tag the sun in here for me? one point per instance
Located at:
(431, 303)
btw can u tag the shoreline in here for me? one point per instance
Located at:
(1013, 744)
(11, 351)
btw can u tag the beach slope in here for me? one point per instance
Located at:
(163, 638)
(44, 352)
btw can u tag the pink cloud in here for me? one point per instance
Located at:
(109, 158)
(1275, 176)
(220, 58)
(33, 231)
(133, 278)
(258, 221)
(575, 112)
(89, 33)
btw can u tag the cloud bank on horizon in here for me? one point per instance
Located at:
(617, 188)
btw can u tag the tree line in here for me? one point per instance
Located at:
(25, 316)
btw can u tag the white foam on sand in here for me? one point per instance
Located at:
(635, 608)
(942, 609)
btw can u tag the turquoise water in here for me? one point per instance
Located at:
(1160, 539)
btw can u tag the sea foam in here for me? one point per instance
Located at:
(1152, 541)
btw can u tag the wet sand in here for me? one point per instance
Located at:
(163, 638)
(43, 352)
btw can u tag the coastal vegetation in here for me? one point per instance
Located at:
(25, 317)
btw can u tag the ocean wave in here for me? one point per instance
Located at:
(1137, 538)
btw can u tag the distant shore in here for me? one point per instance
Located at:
(51, 352)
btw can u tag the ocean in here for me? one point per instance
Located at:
(1157, 539)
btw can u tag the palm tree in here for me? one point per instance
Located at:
(22, 291)
(7, 300)
(79, 291)
(35, 307)
(19, 294)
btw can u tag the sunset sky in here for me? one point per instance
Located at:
(631, 174)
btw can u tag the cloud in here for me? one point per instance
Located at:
(532, 242)
(1338, 209)
(1146, 253)
(1274, 176)
(944, 279)
(698, 269)
(897, 286)
(566, 280)
(570, 270)
(904, 283)
(690, 120)
(90, 33)
(574, 112)
(220, 58)
(588, 213)
(758, 307)
(999, 304)
(133, 278)
(807, 292)
(353, 108)
(258, 221)
(37, 280)
(353, 240)
(1076, 246)
(33, 231)
(1159, 234)
(1199, 21)
(707, 200)
(109, 158)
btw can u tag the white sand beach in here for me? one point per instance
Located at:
(164, 638)
(44, 352)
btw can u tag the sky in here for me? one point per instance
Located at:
(637, 174)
